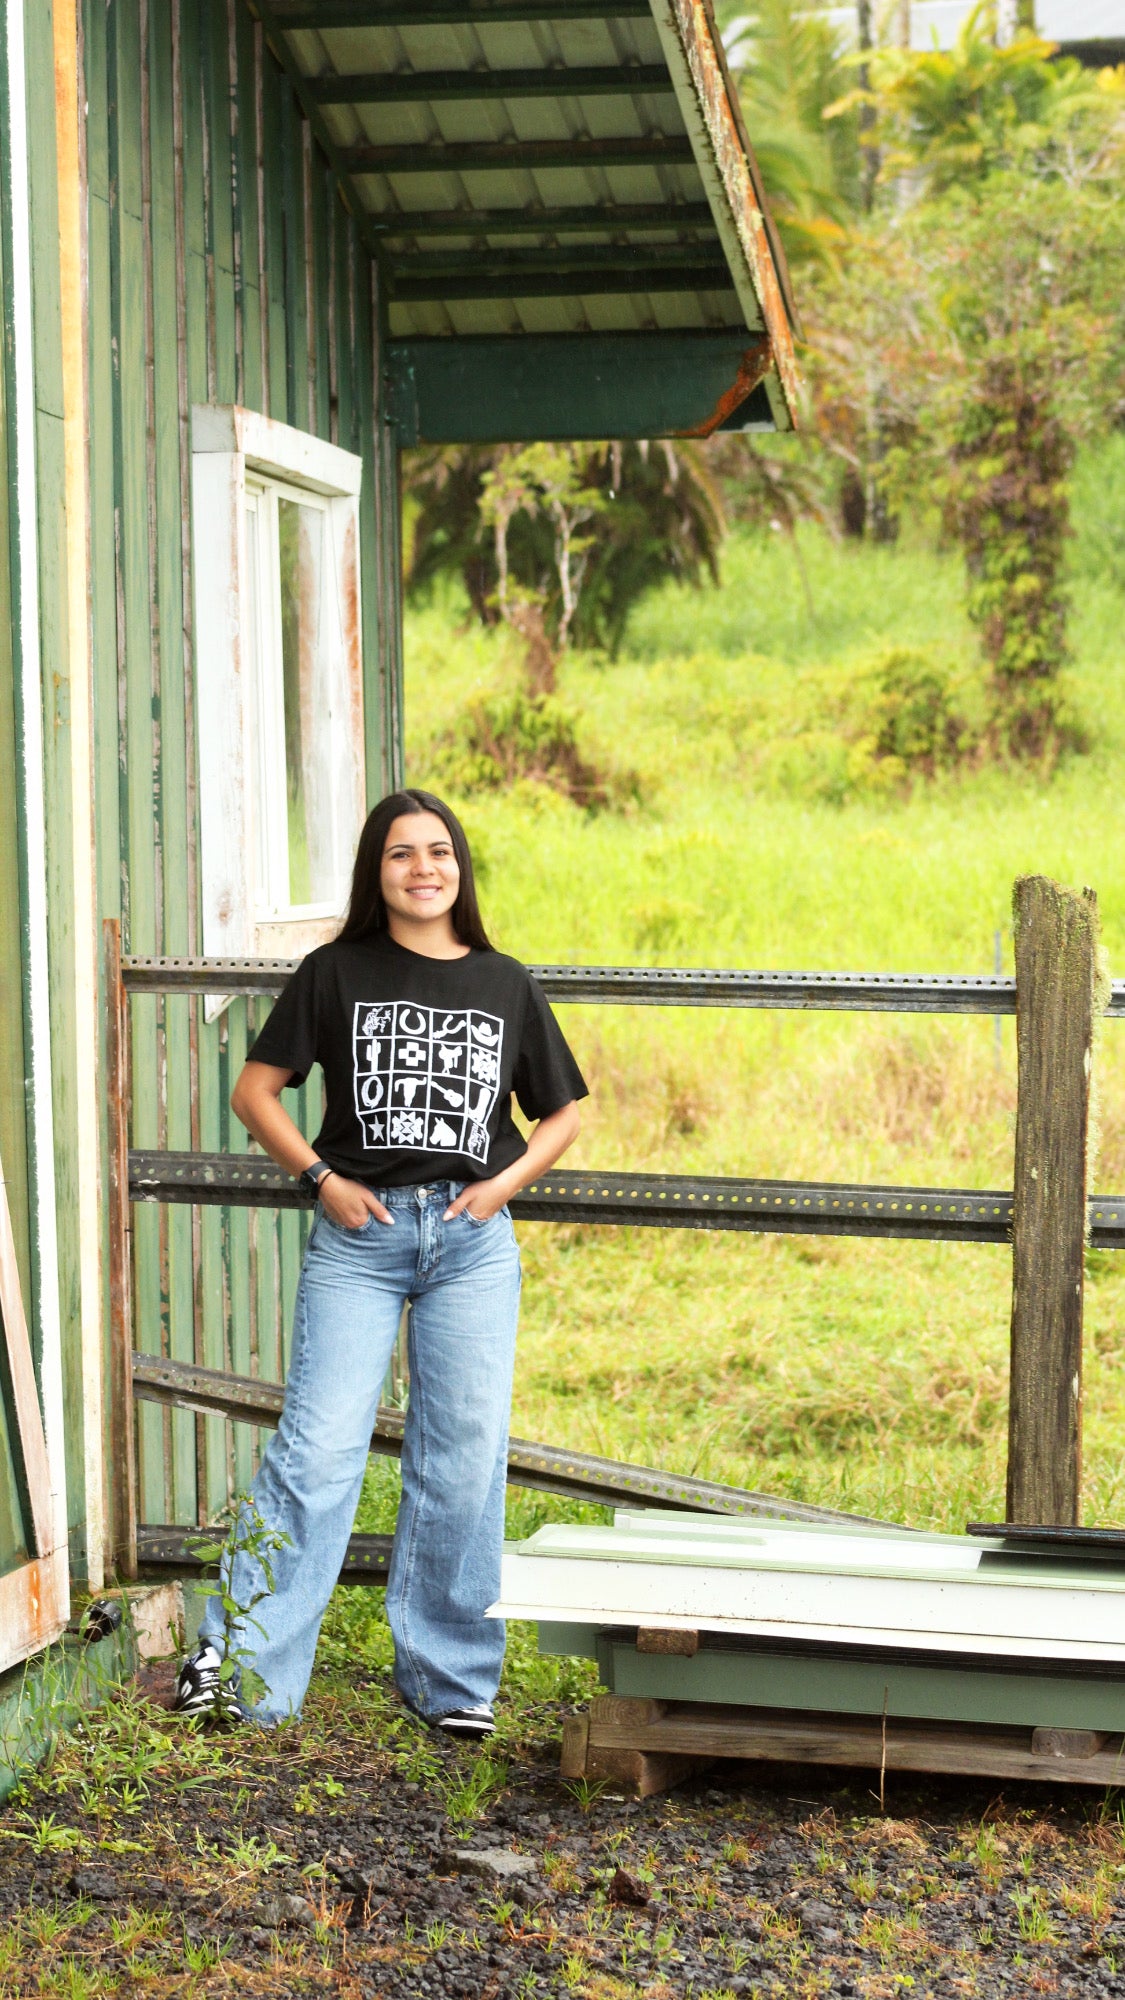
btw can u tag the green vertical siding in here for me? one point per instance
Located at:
(222, 268)
(13, 1065)
(70, 1036)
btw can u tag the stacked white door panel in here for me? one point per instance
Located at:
(787, 1581)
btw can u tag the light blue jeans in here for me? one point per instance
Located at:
(462, 1279)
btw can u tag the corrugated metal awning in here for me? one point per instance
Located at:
(553, 171)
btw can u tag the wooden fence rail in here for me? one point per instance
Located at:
(1048, 1217)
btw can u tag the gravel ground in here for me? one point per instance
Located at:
(331, 1859)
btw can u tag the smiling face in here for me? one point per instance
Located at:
(420, 878)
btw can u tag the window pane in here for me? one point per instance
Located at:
(301, 541)
(252, 629)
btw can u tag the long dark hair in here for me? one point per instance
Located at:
(367, 912)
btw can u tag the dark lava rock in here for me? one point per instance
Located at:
(495, 1865)
(278, 1912)
(628, 1889)
(97, 1883)
(815, 1913)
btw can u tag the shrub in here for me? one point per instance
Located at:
(903, 715)
(501, 739)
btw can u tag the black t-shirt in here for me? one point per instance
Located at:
(420, 1057)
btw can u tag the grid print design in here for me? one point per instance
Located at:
(426, 1078)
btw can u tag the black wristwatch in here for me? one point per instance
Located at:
(311, 1176)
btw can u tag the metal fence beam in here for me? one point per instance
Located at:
(654, 1201)
(653, 986)
(169, 1546)
(576, 1475)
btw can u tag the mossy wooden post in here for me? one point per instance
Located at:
(1056, 959)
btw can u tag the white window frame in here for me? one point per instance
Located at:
(242, 464)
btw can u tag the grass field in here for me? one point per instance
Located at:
(868, 1375)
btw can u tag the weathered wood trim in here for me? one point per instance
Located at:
(123, 1478)
(34, 1607)
(18, 358)
(1056, 975)
(20, 1372)
(83, 914)
(689, 39)
(279, 451)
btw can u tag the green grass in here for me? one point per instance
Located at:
(866, 1375)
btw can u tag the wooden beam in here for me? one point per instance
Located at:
(1056, 985)
(690, 1730)
(474, 86)
(596, 218)
(515, 155)
(488, 389)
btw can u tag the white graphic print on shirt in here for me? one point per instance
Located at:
(426, 1078)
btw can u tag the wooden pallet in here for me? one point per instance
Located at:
(645, 1746)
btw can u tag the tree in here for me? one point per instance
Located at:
(947, 117)
(983, 310)
(647, 511)
(1027, 277)
(788, 63)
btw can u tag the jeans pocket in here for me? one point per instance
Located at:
(342, 1228)
(477, 1221)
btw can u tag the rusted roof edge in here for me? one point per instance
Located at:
(710, 109)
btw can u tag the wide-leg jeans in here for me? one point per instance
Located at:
(462, 1279)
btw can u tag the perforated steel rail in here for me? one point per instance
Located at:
(654, 1201)
(652, 986)
(547, 1468)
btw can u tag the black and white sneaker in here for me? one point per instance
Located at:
(473, 1724)
(201, 1689)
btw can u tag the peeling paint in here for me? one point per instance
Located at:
(692, 24)
(753, 367)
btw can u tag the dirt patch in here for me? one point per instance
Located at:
(329, 1858)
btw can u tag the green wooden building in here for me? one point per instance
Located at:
(248, 252)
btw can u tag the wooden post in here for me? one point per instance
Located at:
(123, 1425)
(1056, 979)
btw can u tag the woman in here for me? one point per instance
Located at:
(423, 1031)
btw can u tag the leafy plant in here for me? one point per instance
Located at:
(250, 1536)
(468, 1793)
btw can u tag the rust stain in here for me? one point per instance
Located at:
(694, 22)
(34, 1605)
(353, 654)
(753, 366)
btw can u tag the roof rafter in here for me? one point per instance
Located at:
(601, 217)
(504, 155)
(471, 86)
(625, 257)
(293, 14)
(565, 284)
